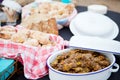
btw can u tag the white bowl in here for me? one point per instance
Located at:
(102, 9)
(66, 21)
(102, 74)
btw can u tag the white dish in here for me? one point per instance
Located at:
(112, 35)
(102, 74)
(102, 9)
(93, 24)
(95, 43)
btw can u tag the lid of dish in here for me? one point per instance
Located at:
(95, 43)
(94, 24)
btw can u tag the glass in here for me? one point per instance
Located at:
(11, 16)
(12, 19)
(3, 17)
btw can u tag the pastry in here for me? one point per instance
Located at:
(21, 36)
(43, 24)
(42, 38)
(44, 17)
(26, 37)
(31, 42)
(7, 32)
(5, 35)
(8, 29)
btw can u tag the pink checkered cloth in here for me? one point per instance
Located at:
(33, 58)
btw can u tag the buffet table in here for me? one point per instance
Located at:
(66, 34)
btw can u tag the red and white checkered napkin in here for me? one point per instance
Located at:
(33, 58)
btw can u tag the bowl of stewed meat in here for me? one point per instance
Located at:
(79, 64)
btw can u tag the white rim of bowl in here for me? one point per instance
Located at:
(78, 74)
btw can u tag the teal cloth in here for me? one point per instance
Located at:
(66, 1)
(5, 65)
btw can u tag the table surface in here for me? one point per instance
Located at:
(66, 34)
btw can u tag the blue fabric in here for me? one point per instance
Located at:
(5, 64)
(66, 1)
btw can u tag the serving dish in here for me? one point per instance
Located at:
(107, 47)
(102, 74)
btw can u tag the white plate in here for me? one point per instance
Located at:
(113, 34)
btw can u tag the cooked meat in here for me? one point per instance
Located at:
(80, 61)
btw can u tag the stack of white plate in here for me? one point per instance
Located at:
(94, 24)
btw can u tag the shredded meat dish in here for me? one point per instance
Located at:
(80, 61)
